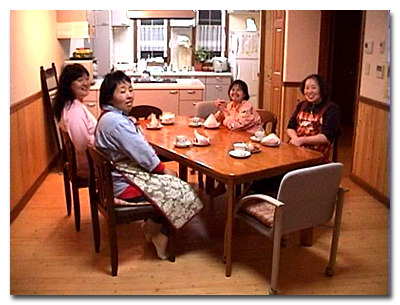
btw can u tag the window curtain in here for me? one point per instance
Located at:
(152, 38)
(209, 36)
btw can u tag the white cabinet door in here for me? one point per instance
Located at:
(118, 18)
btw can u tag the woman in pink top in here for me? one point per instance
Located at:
(239, 113)
(72, 115)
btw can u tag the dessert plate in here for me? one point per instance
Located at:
(272, 144)
(191, 124)
(213, 127)
(167, 122)
(241, 154)
(154, 127)
(254, 139)
(195, 143)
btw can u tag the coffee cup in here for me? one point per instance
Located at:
(240, 146)
(195, 120)
(180, 140)
(259, 134)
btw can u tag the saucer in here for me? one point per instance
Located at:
(191, 124)
(272, 145)
(254, 139)
(167, 122)
(241, 154)
(199, 144)
(154, 127)
(215, 127)
(186, 144)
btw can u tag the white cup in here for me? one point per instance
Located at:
(259, 134)
(195, 120)
(180, 140)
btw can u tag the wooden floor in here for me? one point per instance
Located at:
(48, 257)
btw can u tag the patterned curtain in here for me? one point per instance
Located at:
(209, 36)
(152, 38)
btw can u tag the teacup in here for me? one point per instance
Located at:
(240, 146)
(181, 140)
(195, 120)
(259, 134)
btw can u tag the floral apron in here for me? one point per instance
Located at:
(310, 124)
(172, 196)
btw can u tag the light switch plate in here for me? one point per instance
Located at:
(369, 46)
(379, 71)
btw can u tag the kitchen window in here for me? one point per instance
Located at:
(210, 31)
(152, 38)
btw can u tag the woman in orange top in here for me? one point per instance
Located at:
(239, 113)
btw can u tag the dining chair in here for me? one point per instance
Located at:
(204, 108)
(306, 198)
(49, 84)
(143, 111)
(71, 177)
(269, 120)
(115, 211)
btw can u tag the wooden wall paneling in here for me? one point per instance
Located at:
(291, 96)
(370, 155)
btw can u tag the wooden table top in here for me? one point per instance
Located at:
(215, 160)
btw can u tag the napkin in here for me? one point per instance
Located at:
(271, 140)
(200, 139)
(153, 120)
(168, 117)
(211, 121)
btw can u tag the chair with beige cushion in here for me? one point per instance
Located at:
(115, 211)
(306, 198)
(268, 120)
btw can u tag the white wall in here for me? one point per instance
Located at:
(301, 44)
(376, 31)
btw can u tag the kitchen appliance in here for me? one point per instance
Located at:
(87, 63)
(243, 59)
(220, 64)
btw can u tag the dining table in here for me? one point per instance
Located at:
(215, 161)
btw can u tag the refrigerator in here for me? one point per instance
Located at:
(243, 58)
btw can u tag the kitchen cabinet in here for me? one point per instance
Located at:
(73, 24)
(92, 103)
(187, 99)
(119, 19)
(217, 87)
(166, 100)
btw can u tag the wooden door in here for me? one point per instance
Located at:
(278, 39)
(265, 61)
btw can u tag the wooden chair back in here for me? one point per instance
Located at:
(204, 108)
(143, 111)
(269, 120)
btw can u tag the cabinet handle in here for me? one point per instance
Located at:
(218, 87)
(191, 92)
(173, 92)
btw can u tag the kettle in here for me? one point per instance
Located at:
(220, 64)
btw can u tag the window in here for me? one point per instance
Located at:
(210, 31)
(152, 38)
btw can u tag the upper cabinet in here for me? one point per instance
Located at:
(119, 18)
(73, 24)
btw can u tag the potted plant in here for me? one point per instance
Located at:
(201, 55)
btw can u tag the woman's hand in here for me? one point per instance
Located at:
(296, 141)
(170, 172)
(220, 104)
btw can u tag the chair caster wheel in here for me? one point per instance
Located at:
(329, 271)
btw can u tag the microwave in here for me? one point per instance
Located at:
(87, 63)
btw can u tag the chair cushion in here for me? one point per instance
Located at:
(120, 202)
(260, 210)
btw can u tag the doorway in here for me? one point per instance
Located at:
(339, 63)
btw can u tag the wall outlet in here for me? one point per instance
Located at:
(379, 71)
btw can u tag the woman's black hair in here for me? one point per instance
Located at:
(323, 86)
(243, 86)
(65, 96)
(110, 82)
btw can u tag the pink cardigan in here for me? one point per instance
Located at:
(80, 125)
(244, 117)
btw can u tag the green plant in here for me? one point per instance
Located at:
(202, 54)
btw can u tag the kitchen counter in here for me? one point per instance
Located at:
(181, 84)
(181, 74)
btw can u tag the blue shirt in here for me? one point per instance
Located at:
(118, 138)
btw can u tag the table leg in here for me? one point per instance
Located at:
(183, 172)
(228, 228)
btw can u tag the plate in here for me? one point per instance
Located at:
(254, 139)
(152, 128)
(241, 154)
(211, 127)
(167, 122)
(272, 145)
(198, 144)
(195, 124)
(186, 144)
